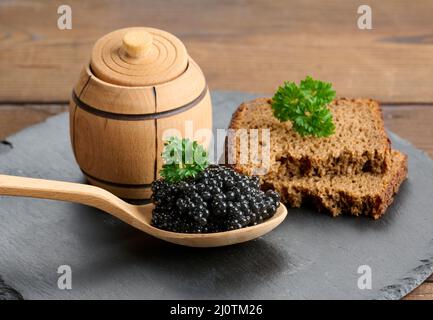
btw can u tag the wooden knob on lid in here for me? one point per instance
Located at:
(138, 56)
(137, 43)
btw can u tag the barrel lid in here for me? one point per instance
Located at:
(138, 57)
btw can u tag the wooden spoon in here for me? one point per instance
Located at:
(137, 216)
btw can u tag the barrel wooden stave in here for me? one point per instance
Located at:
(117, 151)
(140, 100)
(117, 132)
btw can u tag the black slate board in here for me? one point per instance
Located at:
(310, 255)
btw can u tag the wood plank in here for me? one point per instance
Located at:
(423, 292)
(15, 118)
(413, 123)
(251, 46)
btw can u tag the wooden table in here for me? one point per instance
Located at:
(241, 45)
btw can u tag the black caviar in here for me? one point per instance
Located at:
(218, 199)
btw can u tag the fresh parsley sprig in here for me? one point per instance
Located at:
(183, 159)
(305, 106)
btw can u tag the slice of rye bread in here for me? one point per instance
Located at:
(360, 143)
(357, 194)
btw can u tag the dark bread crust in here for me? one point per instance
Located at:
(236, 121)
(383, 202)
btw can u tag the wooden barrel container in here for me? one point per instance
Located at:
(140, 83)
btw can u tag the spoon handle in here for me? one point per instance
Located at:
(64, 191)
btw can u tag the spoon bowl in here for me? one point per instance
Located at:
(216, 239)
(138, 216)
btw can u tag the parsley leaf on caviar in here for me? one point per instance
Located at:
(305, 106)
(183, 159)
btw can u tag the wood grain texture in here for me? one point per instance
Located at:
(423, 292)
(165, 58)
(414, 123)
(14, 118)
(241, 45)
(141, 100)
(114, 150)
(112, 98)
